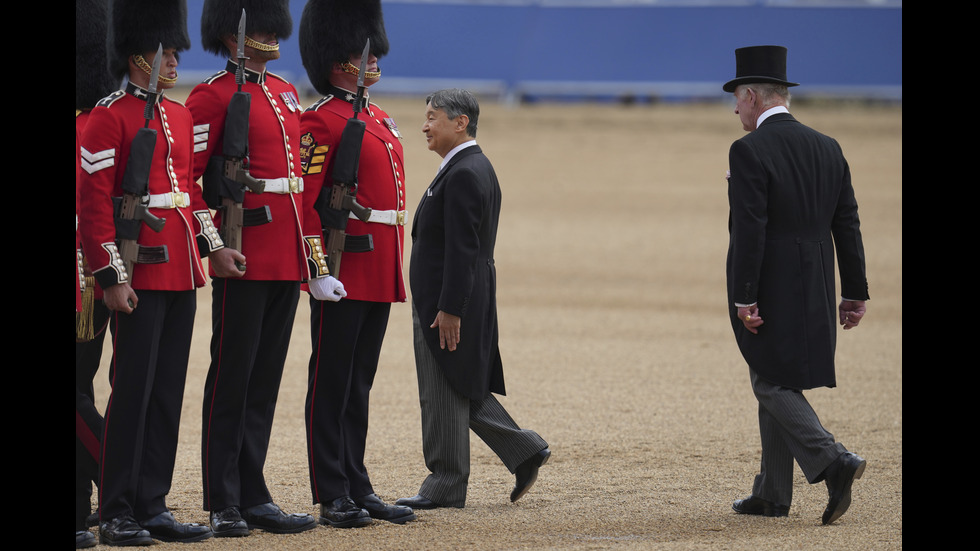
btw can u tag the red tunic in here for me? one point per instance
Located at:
(374, 276)
(105, 150)
(276, 250)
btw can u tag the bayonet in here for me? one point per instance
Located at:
(240, 71)
(151, 97)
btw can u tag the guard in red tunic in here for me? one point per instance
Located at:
(253, 308)
(137, 162)
(347, 335)
(92, 83)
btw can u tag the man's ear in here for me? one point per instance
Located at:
(462, 122)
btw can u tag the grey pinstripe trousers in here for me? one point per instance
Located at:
(447, 417)
(790, 429)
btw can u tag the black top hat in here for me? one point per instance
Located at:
(759, 64)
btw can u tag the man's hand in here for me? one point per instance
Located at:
(448, 325)
(120, 298)
(327, 288)
(851, 312)
(750, 318)
(223, 261)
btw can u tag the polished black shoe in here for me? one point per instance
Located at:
(83, 539)
(527, 473)
(399, 514)
(418, 502)
(757, 506)
(269, 517)
(164, 527)
(344, 513)
(92, 520)
(840, 476)
(123, 531)
(228, 523)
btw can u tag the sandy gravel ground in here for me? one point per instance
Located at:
(616, 346)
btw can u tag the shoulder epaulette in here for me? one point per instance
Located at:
(320, 102)
(111, 98)
(215, 76)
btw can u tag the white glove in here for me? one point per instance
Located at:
(327, 288)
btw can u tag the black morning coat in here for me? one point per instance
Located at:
(791, 203)
(452, 270)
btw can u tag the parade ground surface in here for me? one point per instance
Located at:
(616, 347)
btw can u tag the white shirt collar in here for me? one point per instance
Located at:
(455, 150)
(771, 111)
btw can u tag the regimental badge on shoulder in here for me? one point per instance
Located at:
(312, 156)
(390, 123)
(291, 101)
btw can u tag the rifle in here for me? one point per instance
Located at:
(229, 180)
(343, 194)
(131, 208)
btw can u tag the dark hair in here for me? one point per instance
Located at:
(456, 102)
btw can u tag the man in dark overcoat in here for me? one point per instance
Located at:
(792, 205)
(453, 283)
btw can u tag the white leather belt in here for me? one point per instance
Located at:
(172, 200)
(282, 185)
(389, 217)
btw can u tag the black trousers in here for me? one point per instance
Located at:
(346, 337)
(251, 325)
(149, 365)
(89, 424)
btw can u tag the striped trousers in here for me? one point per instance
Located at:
(447, 417)
(790, 430)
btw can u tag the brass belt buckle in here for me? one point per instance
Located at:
(400, 218)
(293, 184)
(178, 198)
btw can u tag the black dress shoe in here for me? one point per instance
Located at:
(83, 539)
(228, 523)
(92, 520)
(123, 531)
(418, 502)
(757, 506)
(399, 514)
(269, 517)
(527, 473)
(344, 513)
(840, 477)
(164, 527)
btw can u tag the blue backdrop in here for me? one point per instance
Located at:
(589, 48)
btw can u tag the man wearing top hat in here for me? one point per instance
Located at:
(252, 308)
(791, 206)
(152, 299)
(347, 335)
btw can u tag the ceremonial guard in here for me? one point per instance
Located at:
(144, 227)
(92, 83)
(249, 159)
(352, 158)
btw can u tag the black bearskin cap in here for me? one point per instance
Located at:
(92, 79)
(138, 26)
(331, 30)
(220, 17)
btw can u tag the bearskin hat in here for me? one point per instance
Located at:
(92, 79)
(139, 26)
(220, 18)
(331, 30)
